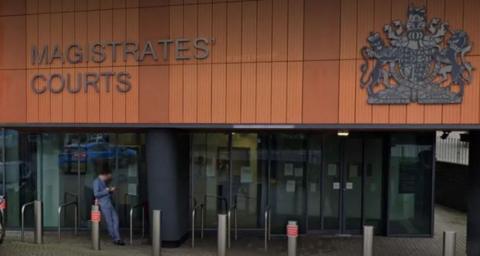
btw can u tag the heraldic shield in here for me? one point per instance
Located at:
(423, 62)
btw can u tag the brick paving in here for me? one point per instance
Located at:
(446, 219)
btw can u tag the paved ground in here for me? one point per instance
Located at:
(312, 245)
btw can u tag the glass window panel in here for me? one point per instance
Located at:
(287, 181)
(410, 184)
(210, 164)
(21, 184)
(314, 182)
(247, 180)
(373, 187)
(127, 148)
(51, 150)
(332, 183)
(353, 173)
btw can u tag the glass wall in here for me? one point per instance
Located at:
(373, 183)
(247, 179)
(20, 170)
(332, 182)
(410, 184)
(314, 181)
(210, 173)
(59, 168)
(287, 180)
(327, 183)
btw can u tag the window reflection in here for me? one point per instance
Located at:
(410, 187)
(59, 168)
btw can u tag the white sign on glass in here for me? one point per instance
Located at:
(288, 169)
(290, 188)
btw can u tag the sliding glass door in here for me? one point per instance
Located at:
(341, 172)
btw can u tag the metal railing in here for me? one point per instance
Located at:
(142, 206)
(267, 226)
(60, 209)
(127, 202)
(234, 212)
(38, 212)
(452, 150)
(22, 231)
(202, 223)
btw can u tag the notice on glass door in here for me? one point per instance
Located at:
(290, 187)
(245, 174)
(298, 172)
(210, 171)
(332, 170)
(288, 169)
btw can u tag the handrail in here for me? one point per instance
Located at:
(60, 209)
(24, 206)
(141, 205)
(235, 212)
(267, 226)
(126, 199)
(194, 211)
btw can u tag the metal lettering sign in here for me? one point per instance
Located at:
(423, 62)
(118, 52)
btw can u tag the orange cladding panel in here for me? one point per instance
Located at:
(268, 61)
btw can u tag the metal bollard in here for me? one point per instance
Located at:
(38, 213)
(449, 243)
(292, 234)
(222, 235)
(156, 233)
(367, 241)
(95, 218)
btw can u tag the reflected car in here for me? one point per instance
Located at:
(83, 154)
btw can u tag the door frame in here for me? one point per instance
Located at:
(341, 163)
(343, 170)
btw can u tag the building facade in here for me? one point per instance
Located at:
(322, 111)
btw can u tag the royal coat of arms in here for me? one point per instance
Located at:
(423, 62)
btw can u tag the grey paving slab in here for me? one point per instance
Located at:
(446, 219)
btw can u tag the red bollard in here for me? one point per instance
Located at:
(95, 218)
(292, 234)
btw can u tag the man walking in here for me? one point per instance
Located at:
(103, 196)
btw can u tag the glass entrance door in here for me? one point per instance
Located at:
(210, 174)
(317, 180)
(349, 164)
(342, 186)
(227, 175)
(287, 181)
(351, 186)
(248, 186)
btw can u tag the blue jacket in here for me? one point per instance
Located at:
(101, 193)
